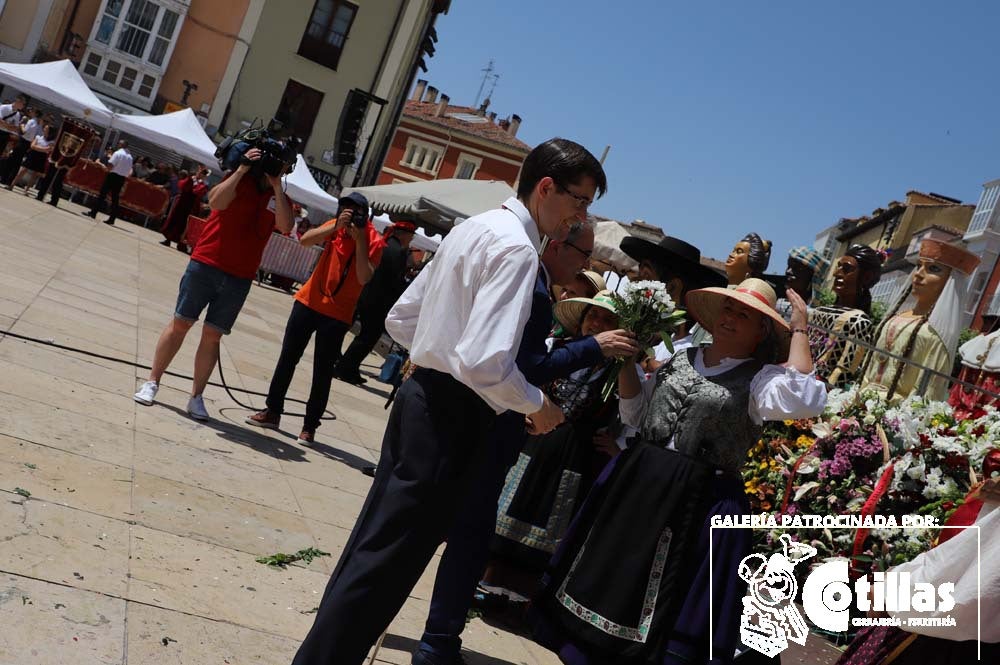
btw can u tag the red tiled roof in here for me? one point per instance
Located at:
(485, 130)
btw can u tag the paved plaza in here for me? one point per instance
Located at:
(130, 533)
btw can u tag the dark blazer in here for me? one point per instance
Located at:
(536, 362)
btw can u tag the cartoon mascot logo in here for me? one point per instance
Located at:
(770, 619)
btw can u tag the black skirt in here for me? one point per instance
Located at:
(36, 161)
(623, 571)
(544, 489)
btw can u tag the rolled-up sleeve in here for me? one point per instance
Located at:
(494, 328)
(633, 410)
(784, 393)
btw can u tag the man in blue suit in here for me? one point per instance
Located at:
(467, 551)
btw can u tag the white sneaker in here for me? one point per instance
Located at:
(147, 394)
(196, 408)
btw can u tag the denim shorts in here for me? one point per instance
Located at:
(203, 285)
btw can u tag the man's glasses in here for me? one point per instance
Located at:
(581, 201)
(585, 253)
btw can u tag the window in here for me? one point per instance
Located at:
(167, 26)
(146, 87)
(128, 78)
(108, 21)
(298, 110)
(468, 165)
(111, 71)
(326, 32)
(138, 23)
(422, 156)
(987, 203)
(93, 64)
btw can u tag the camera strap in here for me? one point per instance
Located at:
(343, 273)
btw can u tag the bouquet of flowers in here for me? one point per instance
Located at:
(645, 309)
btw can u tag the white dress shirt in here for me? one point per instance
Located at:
(121, 162)
(776, 392)
(465, 312)
(9, 115)
(31, 129)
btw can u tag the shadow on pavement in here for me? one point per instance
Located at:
(409, 645)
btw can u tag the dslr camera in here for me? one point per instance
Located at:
(277, 155)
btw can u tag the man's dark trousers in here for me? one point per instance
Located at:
(12, 164)
(432, 439)
(467, 552)
(330, 332)
(52, 182)
(113, 184)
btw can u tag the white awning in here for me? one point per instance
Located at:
(59, 84)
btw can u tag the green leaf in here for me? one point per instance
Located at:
(23, 492)
(30, 465)
(281, 560)
(668, 341)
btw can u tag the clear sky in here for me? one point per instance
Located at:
(777, 117)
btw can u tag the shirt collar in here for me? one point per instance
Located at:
(530, 226)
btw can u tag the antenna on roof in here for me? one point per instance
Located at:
(493, 86)
(487, 73)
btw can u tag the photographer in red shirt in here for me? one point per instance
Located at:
(246, 208)
(325, 306)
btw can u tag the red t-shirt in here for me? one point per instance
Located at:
(323, 292)
(234, 239)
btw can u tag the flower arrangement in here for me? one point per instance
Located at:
(647, 310)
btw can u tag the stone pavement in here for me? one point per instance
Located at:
(137, 542)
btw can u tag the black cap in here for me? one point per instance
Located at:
(681, 257)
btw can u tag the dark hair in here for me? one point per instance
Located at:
(565, 161)
(869, 271)
(50, 133)
(183, 173)
(759, 255)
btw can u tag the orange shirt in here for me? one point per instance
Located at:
(323, 291)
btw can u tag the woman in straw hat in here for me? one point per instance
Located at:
(554, 471)
(632, 582)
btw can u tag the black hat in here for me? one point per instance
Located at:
(357, 198)
(681, 257)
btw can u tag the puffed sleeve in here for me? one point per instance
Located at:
(633, 410)
(784, 393)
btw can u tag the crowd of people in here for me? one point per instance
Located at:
(502, 441)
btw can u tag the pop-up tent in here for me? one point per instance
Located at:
(607, 239)
(437, 203)
(59, 84)
(420, 239)
(302, 188)
(178, 132)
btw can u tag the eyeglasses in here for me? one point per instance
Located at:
(585, 253)
(581, 201)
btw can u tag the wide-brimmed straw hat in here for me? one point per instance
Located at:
(595, 280)
(570, 312)
(705, 305)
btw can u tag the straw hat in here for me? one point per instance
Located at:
(706, 304)
(569, 312)
(595, 280)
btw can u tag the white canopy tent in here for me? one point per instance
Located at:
(420, 240)
(304, 190)
(607, 239)
(437, 203)
(179, 132)
(57, 83)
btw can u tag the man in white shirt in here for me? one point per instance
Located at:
(10, 130)
(121, 168)
(462, 319)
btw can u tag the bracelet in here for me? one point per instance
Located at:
(799, 330)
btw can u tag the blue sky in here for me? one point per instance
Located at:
(777, 117)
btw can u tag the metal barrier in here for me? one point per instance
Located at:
(284, 256)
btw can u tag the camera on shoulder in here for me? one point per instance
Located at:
(277, 155)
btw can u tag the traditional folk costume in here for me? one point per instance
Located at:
(631, 582)
(980, 358)
(929, 341)
(836, 356)
(554, 471)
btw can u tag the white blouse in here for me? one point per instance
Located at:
(776, 392)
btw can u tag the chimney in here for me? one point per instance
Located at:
(432, 95)
(418, 92)
(515, 122)
(442, 105)
(493, 116)
(482, 107)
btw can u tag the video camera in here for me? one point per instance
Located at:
(277, 155)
